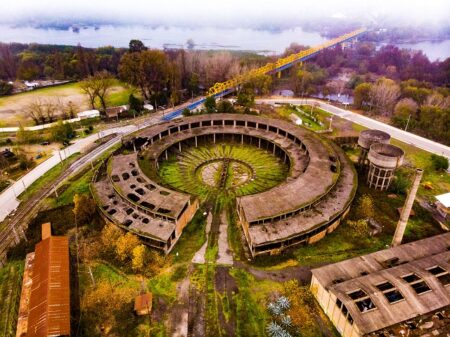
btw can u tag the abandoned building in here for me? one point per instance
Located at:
(307, 205)
(134, 202)
(44, 308)
(390, 292)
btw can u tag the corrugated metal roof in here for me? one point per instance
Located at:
(50, 292)
(391, 265)
(444, 199)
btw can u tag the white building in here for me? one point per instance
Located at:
(88, 114)
(443, 204)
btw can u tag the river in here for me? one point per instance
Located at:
(263, 41)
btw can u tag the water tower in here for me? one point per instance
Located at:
(383, 161)
(366, 139)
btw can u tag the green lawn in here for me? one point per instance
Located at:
(440, 181)
(314, 119)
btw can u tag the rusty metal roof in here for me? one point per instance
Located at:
(143, 302)
(49, 313)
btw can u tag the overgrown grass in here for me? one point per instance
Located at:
(48, 177)
(314, 119)
(438, 180)
(251, 300)
(185, 171)
(10, 288)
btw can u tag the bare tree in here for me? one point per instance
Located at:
(104, 82)
(437, 100)
(89, 87)
(36, 111)
(384, 95)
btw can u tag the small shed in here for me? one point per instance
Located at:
(143, 304)
(443, 204)
(114, 112)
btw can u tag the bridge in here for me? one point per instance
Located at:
(224, 88)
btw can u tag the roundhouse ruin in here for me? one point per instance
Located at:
(307, 205)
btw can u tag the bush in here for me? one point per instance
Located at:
(400, 183)
(62, 132)
(225, 106)
(187, 112)
(5, 88)
(210, 104)
(440, 163)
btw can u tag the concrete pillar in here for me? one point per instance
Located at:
(196, 144)
(242, 139)
(402, 222)
(167, 155)
(214, 137)
(179, 146)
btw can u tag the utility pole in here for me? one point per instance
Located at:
(407, 122)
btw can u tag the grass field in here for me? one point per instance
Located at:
(10, 287)
(313, 119)
(12, 108)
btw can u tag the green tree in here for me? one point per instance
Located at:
(225, 106)
(84, 208)
(5, 88)
(150, 71)
(62, 131)
(246, 96)
(262, 84)
(405, 109)
(210, 104)
(186, 112)
(136, 46)
(135, 103)
(361, 95)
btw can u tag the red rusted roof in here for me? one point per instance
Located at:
(49, 313)
(143, 302)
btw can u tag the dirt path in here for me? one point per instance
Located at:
(301, 273)
(225, 256)
(180, 311)
(199, 257)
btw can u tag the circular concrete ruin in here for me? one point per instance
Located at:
(366, 139)
(303, 208)
(383, 161)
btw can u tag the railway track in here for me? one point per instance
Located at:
(15, 229)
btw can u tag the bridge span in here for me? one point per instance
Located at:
(224, 88)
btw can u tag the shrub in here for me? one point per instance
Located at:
(440, 163)
(400, 183)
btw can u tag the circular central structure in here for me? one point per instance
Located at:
(224, 173)
(290, 185)
(239, 169)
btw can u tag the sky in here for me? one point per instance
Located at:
(225, 13)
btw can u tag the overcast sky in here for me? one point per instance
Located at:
(225, 13)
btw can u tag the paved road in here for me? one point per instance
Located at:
(396, 133)
(8, 198)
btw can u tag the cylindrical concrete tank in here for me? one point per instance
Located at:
(383, 160)
(367, 138)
